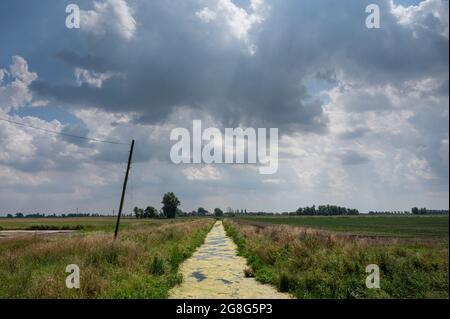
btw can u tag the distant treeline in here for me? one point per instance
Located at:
(390, 213)
(414, 211)
(326, 210)
(424, 211)
(321, 210)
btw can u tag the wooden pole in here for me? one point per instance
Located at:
(124, 189)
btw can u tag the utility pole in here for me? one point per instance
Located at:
(124, 189)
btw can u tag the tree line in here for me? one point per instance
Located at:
(170, 209)
(414, 211)
(171, 203)
(424, 211)
(326, 210)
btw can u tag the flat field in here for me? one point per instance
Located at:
(326, 257)
(427, 227)
(106, 224)
(307, 257)
(142, 263)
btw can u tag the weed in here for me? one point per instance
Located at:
(311, 263)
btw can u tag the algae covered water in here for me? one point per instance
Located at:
(216, 271)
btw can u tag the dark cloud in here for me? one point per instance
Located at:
(351, 157)
(393, 102)
(187, 63)
(175, 59)
(89, 62)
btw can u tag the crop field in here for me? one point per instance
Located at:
(320, 257)
(288, 256)
(143, 263)
(87, 224)
(426, 227)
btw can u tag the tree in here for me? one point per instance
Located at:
(218, 212)
(171, 203)
(138, 212)
(201, 211)
(179, 212)
(150, 212)
(415, 211)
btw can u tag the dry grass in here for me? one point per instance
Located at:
(314, 263)
(35, 267)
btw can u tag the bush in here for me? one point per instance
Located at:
(157, 266)
(54, 227)
(283, 284)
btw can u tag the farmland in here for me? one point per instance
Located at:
(143, 263)
(426, 227)
(302, 256)
(326, 257)
(87, 224)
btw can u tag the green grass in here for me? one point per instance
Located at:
(394, 226)
(106, 224)
(142, 263)
(321, 264)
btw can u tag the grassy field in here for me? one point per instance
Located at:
(310, 257)
(106, 224)
(431, 227)
(143, 263)
(317, 263)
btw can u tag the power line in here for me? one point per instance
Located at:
(63, 134)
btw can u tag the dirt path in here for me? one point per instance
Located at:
(215, 271)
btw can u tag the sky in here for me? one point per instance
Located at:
(362, 113)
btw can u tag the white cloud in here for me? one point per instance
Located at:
(2, 75)
(107, 16)
(204, 173)
(92, 78)
(401, 148)
(237, 20)
(16, 92)
(206, 15)
(19, 70)
(431, 15)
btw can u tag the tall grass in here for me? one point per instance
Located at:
(319, 264)
(143, 263)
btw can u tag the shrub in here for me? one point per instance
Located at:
(54, 227)
(157, 266)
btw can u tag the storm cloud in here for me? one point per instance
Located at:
(358, 109)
